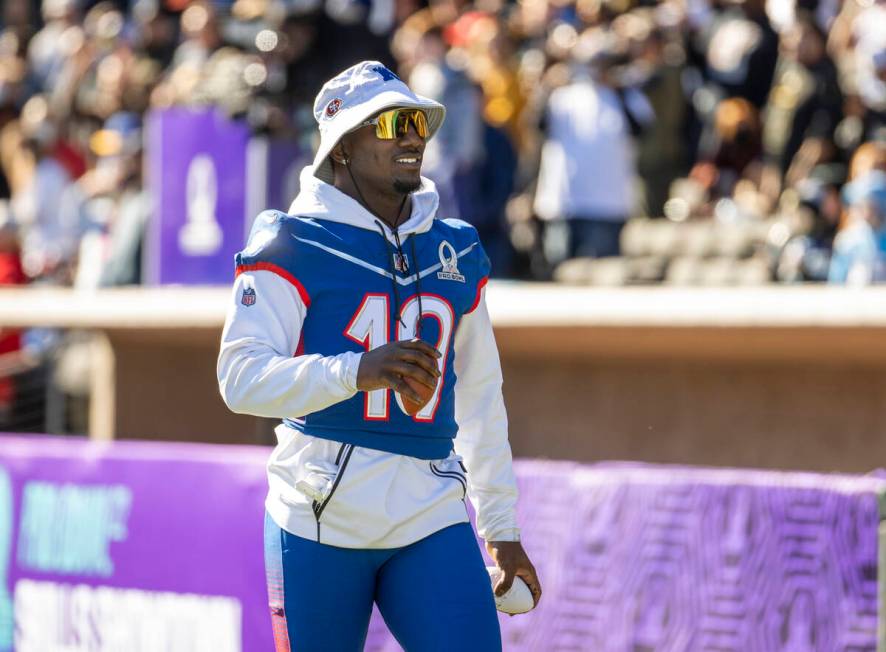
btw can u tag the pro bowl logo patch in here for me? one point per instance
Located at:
(332, 108)
(449, 261)
(248, 298)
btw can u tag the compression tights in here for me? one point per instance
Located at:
(434, 594)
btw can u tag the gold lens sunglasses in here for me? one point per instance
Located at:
(394, 123)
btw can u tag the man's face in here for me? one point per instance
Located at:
(384, 166)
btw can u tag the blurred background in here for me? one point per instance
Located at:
(684, 142)
(723, 146)
(684, 203)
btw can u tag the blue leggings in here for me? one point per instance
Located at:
(434, 594)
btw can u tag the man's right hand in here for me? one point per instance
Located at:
(387, 365)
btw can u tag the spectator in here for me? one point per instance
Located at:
(729, 150)
(740, 49)
(111, 206)
(661, 150)
(806, 257)
(586, 175)
(11, 274)
(805, 101)
(47, 50)
(869, 156)
(860, 247)
(451, 158)
(154, 31)
(870, 67)
(48, 243)
(490, 64)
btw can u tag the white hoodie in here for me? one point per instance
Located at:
(383, 500)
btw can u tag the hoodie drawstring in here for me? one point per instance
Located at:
(397, 316)
(421, 312)
(397, 254)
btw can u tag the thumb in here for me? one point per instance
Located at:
(505, 580)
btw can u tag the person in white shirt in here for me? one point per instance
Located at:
(585, 189)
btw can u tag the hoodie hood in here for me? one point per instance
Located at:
(326, 202)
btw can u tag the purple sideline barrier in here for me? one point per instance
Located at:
(143, 546)
(131, 546)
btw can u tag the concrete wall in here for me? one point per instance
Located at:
(775, 379)
(791, 414)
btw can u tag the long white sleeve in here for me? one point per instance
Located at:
(257, 373)
(483, 427)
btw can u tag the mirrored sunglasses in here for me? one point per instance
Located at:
(394, 123)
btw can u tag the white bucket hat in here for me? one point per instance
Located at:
(357, 94)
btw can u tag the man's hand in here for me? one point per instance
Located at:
(510, 557)
(387, 365)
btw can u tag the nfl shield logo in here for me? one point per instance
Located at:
(401, 264)
(248, 297)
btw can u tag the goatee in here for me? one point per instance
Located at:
(405, 187)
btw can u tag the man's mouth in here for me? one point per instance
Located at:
(408, 161)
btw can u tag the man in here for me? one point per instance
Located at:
(806, 102)
(346, 314)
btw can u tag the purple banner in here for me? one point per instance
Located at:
(197, 164)
(208, 180)
(637, 558)
(131, 546)
(665, 558)
(140, 546)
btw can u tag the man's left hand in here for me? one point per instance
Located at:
(510, 557)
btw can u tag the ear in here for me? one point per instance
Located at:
(338, 154)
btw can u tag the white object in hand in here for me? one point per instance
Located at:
(517, 599)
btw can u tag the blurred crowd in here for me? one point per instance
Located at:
(568, 120)
(589, 141)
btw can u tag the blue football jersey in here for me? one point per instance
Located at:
(362, 292)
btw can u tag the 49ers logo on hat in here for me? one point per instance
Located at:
(333, 107)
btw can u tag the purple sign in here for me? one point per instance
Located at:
(197, 177)
(209, 179)
(131, 546)
(145, 546)
(637, 558)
